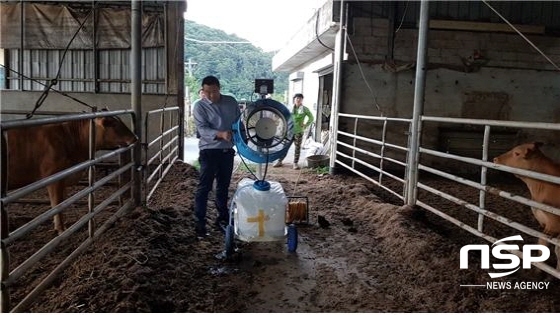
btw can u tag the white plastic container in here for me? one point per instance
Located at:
(259, 213)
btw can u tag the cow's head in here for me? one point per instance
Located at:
(522, 156)
(112, 133)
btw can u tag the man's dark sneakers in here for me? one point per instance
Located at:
(201, 236)
(201, 233)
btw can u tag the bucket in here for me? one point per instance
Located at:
(314, 161)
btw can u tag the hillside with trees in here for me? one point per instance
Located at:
(237, 65)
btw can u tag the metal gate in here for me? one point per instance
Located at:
(95, 208)
(161, 151)
(360, 158)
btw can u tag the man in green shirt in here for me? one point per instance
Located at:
(299, 115)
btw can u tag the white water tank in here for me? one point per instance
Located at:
(259, 211)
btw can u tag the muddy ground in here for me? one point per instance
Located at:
(389, 259)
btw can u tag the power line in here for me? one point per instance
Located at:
(214, 42)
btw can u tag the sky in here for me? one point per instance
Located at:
(268, 24)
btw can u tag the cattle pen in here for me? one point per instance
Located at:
(47, 71)
(395, 181)
(100, 196)
(401, 152)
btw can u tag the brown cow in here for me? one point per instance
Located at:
(37, 152)
(528, 156)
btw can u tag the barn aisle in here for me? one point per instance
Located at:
(374, 257)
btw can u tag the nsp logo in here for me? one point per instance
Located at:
(499, 251)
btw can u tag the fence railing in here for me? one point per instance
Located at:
(9, 276)
(162, 150)
(347, 141)
(383, 144)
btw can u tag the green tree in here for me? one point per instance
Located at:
(236, 65)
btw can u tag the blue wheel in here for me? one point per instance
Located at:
(229, 240)
(292, 238)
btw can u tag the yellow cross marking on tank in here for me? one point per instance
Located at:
(260, 218)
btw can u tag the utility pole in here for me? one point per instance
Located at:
(189, 65)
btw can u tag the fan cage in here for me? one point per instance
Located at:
(275, 123)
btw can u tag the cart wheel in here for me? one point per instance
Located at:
(292, 238)
(229, 240)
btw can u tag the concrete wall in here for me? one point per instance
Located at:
(448, 48)
(515, 83)
(479, 75)
(526, 95)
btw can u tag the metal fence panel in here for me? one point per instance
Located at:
(351, 154)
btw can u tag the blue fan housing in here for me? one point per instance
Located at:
(260, 150)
